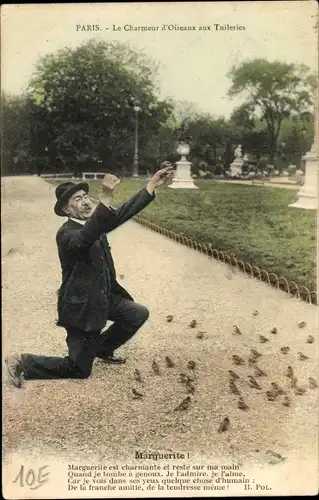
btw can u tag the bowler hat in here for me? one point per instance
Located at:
(64, 192)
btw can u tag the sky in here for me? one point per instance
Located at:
(193, 63)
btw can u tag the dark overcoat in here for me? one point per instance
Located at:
(88, 271)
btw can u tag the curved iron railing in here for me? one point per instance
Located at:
(291, 287)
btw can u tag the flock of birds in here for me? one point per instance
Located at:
(274, 393)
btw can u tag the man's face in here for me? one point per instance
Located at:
(79, 206)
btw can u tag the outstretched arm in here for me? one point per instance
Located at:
(143, 197)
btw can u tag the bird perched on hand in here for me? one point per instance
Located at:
(200, 335)
(169, 362)
(302, 357)
(190, 387)
(169, 318)
(233, 388)
(302, 324)
(237, 360)
(263, 339)
(233, 375)
(273, 330)
(191, 365)
(136, 394)
(193, 323)
(242, 405)
(313, 383)
(224, 425)
(155, 368)
(236, 330)
(184, 404)
(286, 401)
(277, 388)
(253, 382)
(259, 373)
(310, 339)
(285, 349)
(137, 375)
(299, 391)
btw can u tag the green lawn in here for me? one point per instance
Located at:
(252, 222)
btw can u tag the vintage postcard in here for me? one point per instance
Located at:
(159, 263)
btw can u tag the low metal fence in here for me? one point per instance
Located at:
(272, 279)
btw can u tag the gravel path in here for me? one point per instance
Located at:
(97, 418)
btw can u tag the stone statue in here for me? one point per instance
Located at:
(238, 152)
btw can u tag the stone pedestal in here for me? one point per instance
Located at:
(235, 167)
(182, 178)
(307, 196)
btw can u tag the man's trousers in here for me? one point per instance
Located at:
(84, 347)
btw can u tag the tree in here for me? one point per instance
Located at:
(275, 91)
(84, 105)
(16, 132)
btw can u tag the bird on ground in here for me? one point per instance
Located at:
(236, 330)
(313, 383)
(271, 395)
(233, 375)
(137, 395)
(242, 405)
(237, 360)
(274, 330)
(191, 365)
(285, 349)
(224, 425)
(259, 372)
(255, 313)
(190, 387)
(200, 335)
(255, 354)
(310, 339)
(155, 368)
(293, 382)
(299, 391)
(302, 324)
(252, 360)
(290, 372)
(185, 378)
(263, 339)
(302, 357)
(253, 382)
(169, 318)
(137, 375)
(169, 362)
(286, 401)
(193, 323)
(233, 388)
(275, 454)
(277, 388)
(184, 404)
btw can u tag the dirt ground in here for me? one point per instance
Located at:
(97, 418)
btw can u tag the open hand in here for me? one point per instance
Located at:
(163, 175)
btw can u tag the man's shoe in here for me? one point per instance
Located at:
(15, 370)
(112, 360)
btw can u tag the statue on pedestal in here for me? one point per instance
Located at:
(237, 163)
